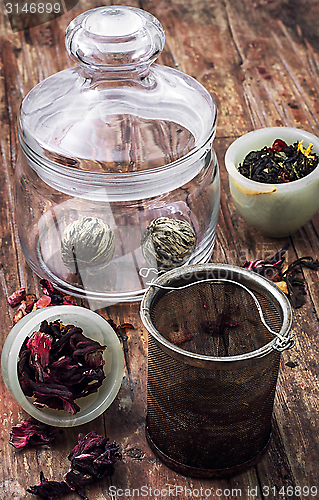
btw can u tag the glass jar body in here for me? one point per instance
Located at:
(45, 210)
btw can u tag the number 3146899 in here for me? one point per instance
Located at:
(33, 8)
(289, 491)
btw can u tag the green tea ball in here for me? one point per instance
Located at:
(87, 242)
(168, 243)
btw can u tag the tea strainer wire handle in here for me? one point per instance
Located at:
(282, 342)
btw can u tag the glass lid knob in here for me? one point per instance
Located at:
(114, 38)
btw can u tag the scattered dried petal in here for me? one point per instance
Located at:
(49, 489)
(30, 303)
(92, 458)
(47, 287)
(16, 297)
(30, 433)
(22, 307)
(288, 278)
(77, 481)
(271, 267)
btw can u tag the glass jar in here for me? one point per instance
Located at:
(117, 180)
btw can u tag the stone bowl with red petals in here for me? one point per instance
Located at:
(275, 209)
(64, 365)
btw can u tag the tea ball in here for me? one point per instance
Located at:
(88, 241)
(168, 243)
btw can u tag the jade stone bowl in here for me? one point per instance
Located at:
(94, 327)
(276, 210)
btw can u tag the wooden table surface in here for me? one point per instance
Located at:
(259, 59)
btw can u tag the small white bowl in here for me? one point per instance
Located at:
(277, 210)
(94, 327)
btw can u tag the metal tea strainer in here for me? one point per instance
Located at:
(216, 334)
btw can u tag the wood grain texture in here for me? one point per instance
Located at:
(260, 61)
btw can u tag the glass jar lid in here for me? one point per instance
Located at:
(116, 118)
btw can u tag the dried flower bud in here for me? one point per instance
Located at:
(168, 243)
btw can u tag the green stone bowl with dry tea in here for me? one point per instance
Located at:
(274, 178)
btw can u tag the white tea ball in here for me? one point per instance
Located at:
(87, 243)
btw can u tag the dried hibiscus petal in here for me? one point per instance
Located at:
(92, 458)
(56, 396)
(87, 443)
(59, 364)
(49, 489)
(22, 307)
(30, 433)
(40, 344)
(47, 287)
(16, 297)
(56, 401)
(30, 302)
(94, 359)
(104, 462)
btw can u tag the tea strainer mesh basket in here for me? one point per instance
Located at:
(216, 334)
